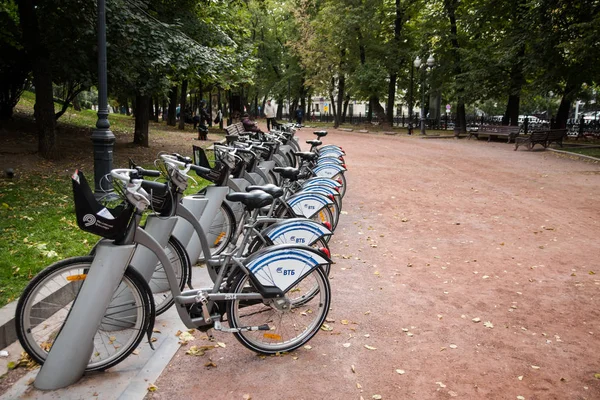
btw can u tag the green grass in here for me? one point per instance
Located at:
(38, 228)
(592, 152)
(37, 215)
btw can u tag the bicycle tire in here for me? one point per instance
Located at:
(341, 177)
(303, 324)
(159, 284)
(223, 230)
(76, 268)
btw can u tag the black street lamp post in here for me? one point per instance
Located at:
(417, 64)
(102, 138)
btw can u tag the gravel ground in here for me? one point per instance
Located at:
(468, 269)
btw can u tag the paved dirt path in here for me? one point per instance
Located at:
(438, 234)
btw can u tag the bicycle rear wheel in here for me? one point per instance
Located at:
(221, 229)
(47, 301)
(289, 327)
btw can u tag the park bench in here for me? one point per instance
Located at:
(511, 132)
(544, 137)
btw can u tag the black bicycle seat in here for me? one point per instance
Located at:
(314, 142)
(320, 134)
(273, 190)
(290, 173)
(306, 155)
(252, 200)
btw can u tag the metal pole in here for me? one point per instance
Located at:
(410, 98)
(423, 101)
(102, 138)
(289, 101)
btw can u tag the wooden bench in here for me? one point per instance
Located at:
(544, 137)
(235, 129)
(511, 132)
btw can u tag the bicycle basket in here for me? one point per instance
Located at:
(161, 200)
(93, 217)
(217, 174)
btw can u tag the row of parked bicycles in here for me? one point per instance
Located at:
(262, 227)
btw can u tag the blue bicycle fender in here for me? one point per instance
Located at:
(320, 180)
(296, 231)
(284, 266)
(308, 204)
(328, 170)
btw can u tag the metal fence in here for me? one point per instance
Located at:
(587, 128)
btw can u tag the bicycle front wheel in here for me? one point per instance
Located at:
(47, 300)
(291, 323)
(159, 284)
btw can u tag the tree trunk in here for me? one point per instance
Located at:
(336, 121)
(156, 109)
(511, 115)
(76, 103)
(461, 118)
(42, 80)
(340, 97)
(172, 112)
(182, 101)
(279, 114)
(142, 119)
(150, 110)
(345, 110)
(391, 99)
(127, 107)
(562, 115)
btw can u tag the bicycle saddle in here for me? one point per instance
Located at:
(314, 142)
(271, 189)
(320, 134)
(252, 200)
(306, 155)
(288, 172)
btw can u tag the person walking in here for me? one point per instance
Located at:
(299, 116)
(270, 115)
(204, 121)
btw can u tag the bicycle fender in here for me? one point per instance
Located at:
(331, 152)
(331, 160)
(284, 266)
(328, 170)
(308, 204)
(331, 146)
(319, 180)
(296, 231)
(321, 189)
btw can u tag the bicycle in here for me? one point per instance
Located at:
(260, 283)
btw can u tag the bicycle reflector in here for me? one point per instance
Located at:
(325, 251)
(340, 181)
(344, 165)
(327, 224)
(331, 197)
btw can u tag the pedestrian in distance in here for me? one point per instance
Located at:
(299, 116)
(204, 121)
(270, 115)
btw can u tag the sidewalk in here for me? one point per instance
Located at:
(128, 380)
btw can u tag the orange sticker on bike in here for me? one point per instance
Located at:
(79, 277)
(273, 336)
(219, 238)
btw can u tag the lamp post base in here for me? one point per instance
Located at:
(103, 141)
